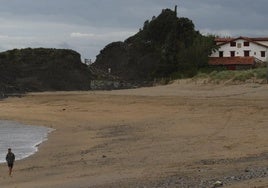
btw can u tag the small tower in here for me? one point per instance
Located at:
(175, 10)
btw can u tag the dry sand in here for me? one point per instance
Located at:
(181, 135)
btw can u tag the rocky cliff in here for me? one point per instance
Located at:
(128, 61)
(165, 45)
(42, 70)
(140, 56)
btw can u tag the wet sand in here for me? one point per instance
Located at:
(186, 134)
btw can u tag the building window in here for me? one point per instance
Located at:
(233, 44)
(246, 53)
(238, 45)
(220, 53)
(232, 53)
(262, 53)
(246, 43)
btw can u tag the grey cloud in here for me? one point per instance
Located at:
(64, 45)
(88, 25)
(227, 14)
(99, 13)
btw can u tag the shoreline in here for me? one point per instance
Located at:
(30, 142)
(146, 136)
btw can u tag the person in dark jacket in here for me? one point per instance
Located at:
(10, 158)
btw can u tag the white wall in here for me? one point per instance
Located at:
(254, 50)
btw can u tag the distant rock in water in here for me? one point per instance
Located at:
(41, 69)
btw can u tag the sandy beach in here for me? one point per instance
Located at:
(186, 134)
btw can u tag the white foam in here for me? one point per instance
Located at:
(23, 139)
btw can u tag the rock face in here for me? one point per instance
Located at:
(166, 46)
(42, 70)
(127, 61)
(138, 57)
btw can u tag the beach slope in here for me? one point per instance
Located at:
(178, 135)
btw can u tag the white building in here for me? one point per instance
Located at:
(240, 51)
(242, 47)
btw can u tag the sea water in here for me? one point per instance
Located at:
(22, 139)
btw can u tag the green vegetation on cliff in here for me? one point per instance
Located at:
(166, 46)
(42, 69)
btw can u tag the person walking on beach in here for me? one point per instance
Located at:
(10, 158)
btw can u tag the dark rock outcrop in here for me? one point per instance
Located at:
(42, 69)
(127, 61)
(166, 46)
(139, 56)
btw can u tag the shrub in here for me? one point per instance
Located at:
(243, 76)
(222, 75)
(260, 73)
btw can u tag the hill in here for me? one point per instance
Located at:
(165, 46)
(42, 69)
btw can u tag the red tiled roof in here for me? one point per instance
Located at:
(231, 61)
(227, 39)
(260, 39)
(253, 40)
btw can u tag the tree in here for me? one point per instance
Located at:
(196, 56)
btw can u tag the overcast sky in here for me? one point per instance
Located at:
(87, 26)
